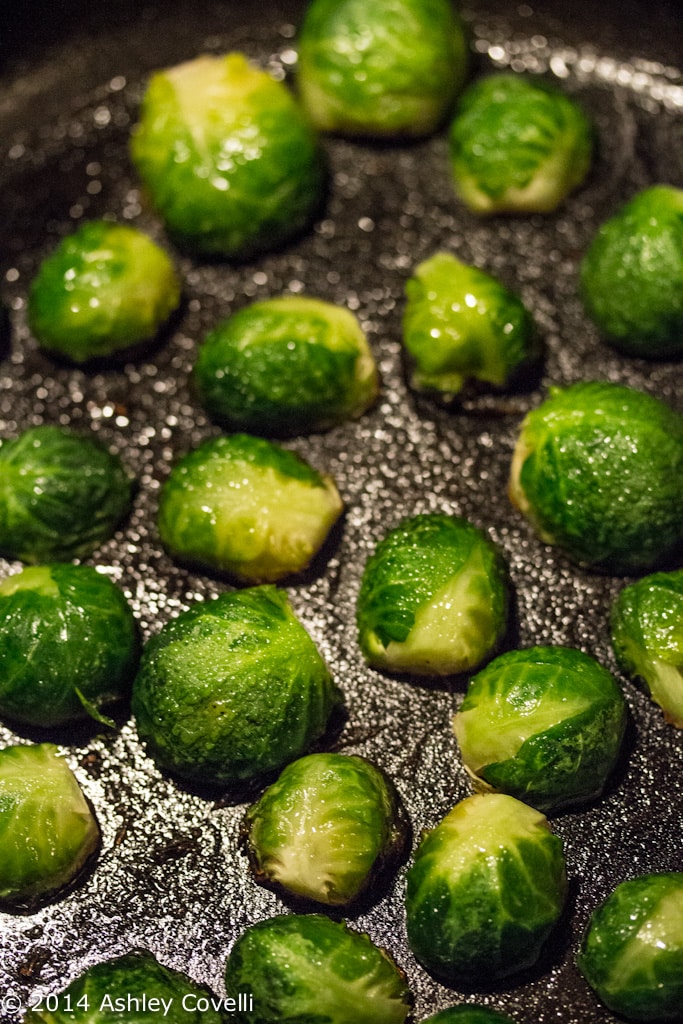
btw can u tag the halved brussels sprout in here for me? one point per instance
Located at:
(487, 887)
(598, 470)
(647, 637)
(467, 1014)
(286, 366)
(632, 951)
(61, 495)
(105, 288)
(302, 968)
(380, 67)
(433, 598)
(544, 725)
(229, 159)
(130, 989)
(68, 644)
(462, 325)
(326, 829)
(248, 507)
(632, 275)
(47, 831)
(231, 689)
(518, 145)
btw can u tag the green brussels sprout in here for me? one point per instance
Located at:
(130, 989)
(486, 888)
(68, 644)
(231, 689)
(433, 599)
(248, 507)
(598, 470)
(517, 145)
(104, 289)
(61, 495)
(380, 67)
(647, 637)
(47, 831)
(286, 366)
(467, 1014)
(305, 967)
(460, 324)
(632, 951)
(544, 725)
(632, 275)
(228, 158)
(326, 828)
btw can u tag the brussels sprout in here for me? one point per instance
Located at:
(433, 598)
(380, 67)
(518, 144)
(232, 688)
(632, 951)
(228, 158)
(326, 829)
(598, 470)
(286, 366)
(130, 989)
(467, 1014)
(460, 324)
(544, 725)
(105, 288)
(47, 830)
(302, 968)
(647, 636)
(61, 495)
(486, 888)
(632, 275)
(248, 507)
(68, 644)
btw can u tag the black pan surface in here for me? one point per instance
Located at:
(170, 875)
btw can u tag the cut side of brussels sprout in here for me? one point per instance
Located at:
(231, 689)
(598, 470)
(468, 1014)
(461, 325)
(433, 598)
(286, 366)
(326, 829)
(544, 725)
(47, 831)
(487, 886)
(302, 968)
(104, 289)
(248, 507)
(518, 145)
(632, 951)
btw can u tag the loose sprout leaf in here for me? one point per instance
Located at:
(468, 1014)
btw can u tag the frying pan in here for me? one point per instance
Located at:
(171, 876)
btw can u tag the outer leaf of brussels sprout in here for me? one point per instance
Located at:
(61, 495)
(326, 828)
(632, 951)
(227, 156)
(486, 888)
(647, 636)
(433, 598)
(544, 725)
(468, 1014)
(598, 470)
(68, 644)
(286, 366)
(461, 324)
(106, 287)
(517, 144)
(632, 275)
(248, 507)
(380, 67)
(301, 968)
(131, 989)
(232, 688)
(47, 830)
